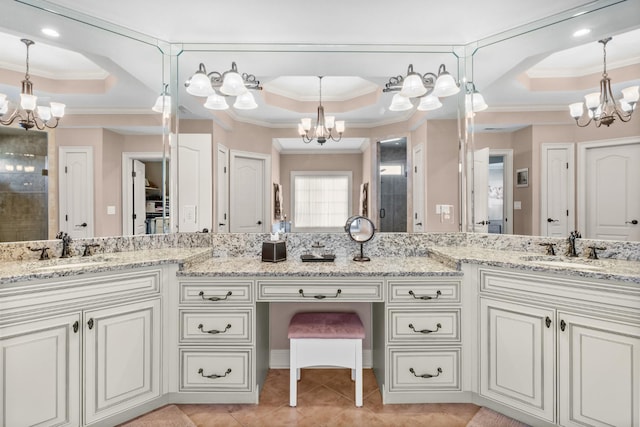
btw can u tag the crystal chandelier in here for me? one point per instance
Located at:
(324, 126)
(601, 106)
(28, 113)
(216, 86)
(427, 87)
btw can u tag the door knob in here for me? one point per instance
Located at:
(484, 222)
(84, 224)
(552, 220)
(221, 224)
(633, 221)
(420, 224)
(259, 222)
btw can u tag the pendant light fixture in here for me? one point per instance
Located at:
(427, 87)
(216, 86)
(602, 108)
(28, 113)
(323, 130)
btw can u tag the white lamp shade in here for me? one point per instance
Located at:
(232, 84)
(306, 123)
(4, 107)
(478, 102)
(329, 121)
(626, 107)
(199, 85)
(429, 103)
(245, 102)
(28, 102)
(412, 86)
(57, 109)
(592, 100)
(44, 113)
(301, 130)
(445, 85)
(163, 103)
(400, 103)
(576, 109)
(631, 94)
(340, 126)
(216, 102)
(595, 114)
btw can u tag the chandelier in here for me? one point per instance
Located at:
(28, 113)
(216, 86)
(324, 126)
(601, 106)
(427, 87)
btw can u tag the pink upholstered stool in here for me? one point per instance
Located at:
(325, 339)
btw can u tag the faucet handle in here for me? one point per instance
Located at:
(44, 252)
(550, 249)
(593, 254)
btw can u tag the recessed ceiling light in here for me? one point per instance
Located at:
(581, 32)
(50, 32)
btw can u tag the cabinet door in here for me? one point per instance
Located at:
(40, 373)
(122, 357)
(517, 353)
(599, 366)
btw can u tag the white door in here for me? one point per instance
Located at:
(248, 188)
(612, 192)
(418, 217)
(76, 191)
(557, 216)
(222, 188)
(139, 198)
(40, 373)
(517, 356)
(194, 192)
(480, 191)
(598, 371)
(122, 358)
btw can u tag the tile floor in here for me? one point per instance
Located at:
(326, 398)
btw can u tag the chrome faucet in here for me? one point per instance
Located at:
(571, 247)
(66, 247)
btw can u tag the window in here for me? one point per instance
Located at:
(320, 200)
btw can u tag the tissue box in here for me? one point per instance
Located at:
(274, 251)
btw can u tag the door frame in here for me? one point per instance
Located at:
(418, 152)
(582, 172)
(507, 193)
(267, 203)
(222, 181)
(62, 195)
(571, 193)
(127, 183)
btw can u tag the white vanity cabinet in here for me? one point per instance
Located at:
(528, 321)
(76, 351)
(419, 328)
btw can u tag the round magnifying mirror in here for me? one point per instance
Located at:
(360, 229)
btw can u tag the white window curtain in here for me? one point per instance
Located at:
(321, 199)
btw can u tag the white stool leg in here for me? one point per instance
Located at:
(298, 374)
(293, 374)
(358, 369)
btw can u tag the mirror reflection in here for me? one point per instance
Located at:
(228, 155)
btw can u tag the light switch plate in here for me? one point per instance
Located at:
(111, 210)
(517, 205)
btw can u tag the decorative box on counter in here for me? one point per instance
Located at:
(274, 251)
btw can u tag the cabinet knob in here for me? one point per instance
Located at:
(563, 325)
(547, 321)
(90, 323)
(76, 326)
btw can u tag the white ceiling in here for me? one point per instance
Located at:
(356, 44)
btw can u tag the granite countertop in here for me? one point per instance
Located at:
(15, 271)
(606, 268)
(341, 267)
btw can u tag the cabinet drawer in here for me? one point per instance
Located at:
(318, 290)
(424, 369)
(220, 370)
(230, 325)
(424, 325)
(215, 293)
(424, 292)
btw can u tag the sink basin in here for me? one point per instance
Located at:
(563, 262)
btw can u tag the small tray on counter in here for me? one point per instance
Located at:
(313, 258)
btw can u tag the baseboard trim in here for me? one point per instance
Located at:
(279, 359)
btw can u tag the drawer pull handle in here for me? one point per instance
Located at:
(425, 375)
(425, 331)
(215, 298)
(214, 376)
(214, 331)
(425, 297)
(301, 292)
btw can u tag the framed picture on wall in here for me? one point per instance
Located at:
(522, 177)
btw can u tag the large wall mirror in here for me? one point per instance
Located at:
(213, 164)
